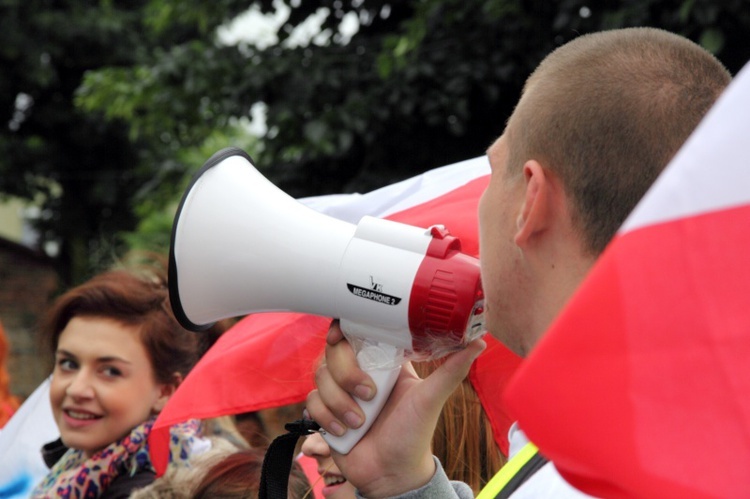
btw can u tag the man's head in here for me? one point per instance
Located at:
(597, 122)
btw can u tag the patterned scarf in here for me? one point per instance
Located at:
(74, 476)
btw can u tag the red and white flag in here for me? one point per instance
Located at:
(641, 387)
(268, 360)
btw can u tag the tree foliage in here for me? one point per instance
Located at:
(125, 94)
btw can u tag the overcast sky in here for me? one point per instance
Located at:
(254, 28)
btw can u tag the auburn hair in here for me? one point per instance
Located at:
(463, 440)
(134, 300)
(237, 476)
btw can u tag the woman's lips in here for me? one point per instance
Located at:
(332, 483)
(78, 418)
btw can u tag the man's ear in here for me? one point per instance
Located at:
(535, 211)
(166, 390)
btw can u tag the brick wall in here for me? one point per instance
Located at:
(28, 282)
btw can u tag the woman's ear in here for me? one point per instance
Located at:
(166, 390)
(534, 216)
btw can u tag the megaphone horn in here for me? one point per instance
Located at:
(240, 245)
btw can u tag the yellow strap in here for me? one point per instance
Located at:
(507, 472)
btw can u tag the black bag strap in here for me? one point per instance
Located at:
(277, 463)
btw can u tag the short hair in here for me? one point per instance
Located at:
(130, 299)
(606, 112)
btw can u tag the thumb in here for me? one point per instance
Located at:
(446, 378)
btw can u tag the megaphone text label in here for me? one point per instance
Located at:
(373, 295)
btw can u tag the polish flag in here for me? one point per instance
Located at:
(268, 360)
(641, 387)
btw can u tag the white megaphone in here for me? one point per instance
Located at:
(240, 245)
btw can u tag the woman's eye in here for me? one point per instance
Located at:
(111, 372)
(67, 364)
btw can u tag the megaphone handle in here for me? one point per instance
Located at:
(384, 379)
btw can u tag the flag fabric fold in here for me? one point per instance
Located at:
(268, 360)
(21, 441)
(640, 387)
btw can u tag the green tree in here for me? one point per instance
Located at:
(85, 171)
(422, 83)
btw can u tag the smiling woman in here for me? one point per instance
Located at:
(103, 384)
(119, 355)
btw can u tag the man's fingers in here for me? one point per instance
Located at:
(338, 410)
(334, 333)
(451, 373)
(345, 371)
(319, 413)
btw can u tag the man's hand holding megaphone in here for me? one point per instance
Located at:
(394, 455)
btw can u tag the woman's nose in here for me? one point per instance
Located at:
(315, 446)
(80, 385)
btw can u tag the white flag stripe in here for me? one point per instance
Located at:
(711, 171)
(401, 195)
(21, 442)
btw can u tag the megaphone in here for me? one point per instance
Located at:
(240, 245)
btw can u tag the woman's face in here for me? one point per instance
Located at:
(336, 486)
(103, 384)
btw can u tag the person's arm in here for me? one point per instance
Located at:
(395, 456)
(437, 488)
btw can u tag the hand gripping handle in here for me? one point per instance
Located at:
(383, 363)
